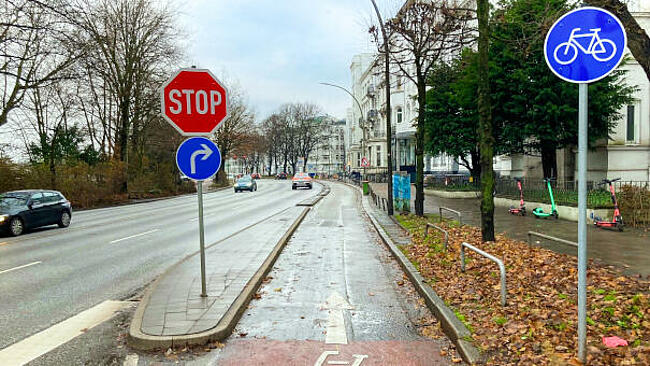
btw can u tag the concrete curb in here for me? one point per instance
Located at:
(451, 325)
(311, 201)
(224, 327)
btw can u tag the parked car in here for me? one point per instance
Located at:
(256, 176)
(301, 180)
(281, 176)
(246, 183)
(22, 210)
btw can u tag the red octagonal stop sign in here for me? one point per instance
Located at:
(195, 102)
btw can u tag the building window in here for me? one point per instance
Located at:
(630, 123)
(399, 114)
(358, 159)
(378, 155)
(399, 82)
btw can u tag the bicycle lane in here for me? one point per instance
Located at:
(336, 297)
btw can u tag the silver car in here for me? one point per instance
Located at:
(245, 183)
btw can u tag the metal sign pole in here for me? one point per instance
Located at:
(582, 221)
(202, 238)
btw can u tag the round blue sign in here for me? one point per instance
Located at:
(585, 45)
(198, 158)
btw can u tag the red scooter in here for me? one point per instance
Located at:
(521, 210)
(617, 219)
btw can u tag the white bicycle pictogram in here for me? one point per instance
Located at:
(596, 47)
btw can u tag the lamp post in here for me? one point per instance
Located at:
(389, 137)
(362, 122)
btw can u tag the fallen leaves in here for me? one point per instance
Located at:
(539, 325)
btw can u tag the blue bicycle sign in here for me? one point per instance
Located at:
(585, 45)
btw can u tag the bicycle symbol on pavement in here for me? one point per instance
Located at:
(601, 49)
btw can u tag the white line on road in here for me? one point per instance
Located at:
(41, 343)
(134, 236)
(336, 331)
(19, 267)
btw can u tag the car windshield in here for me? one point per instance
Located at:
(244, 179)
(9, 201)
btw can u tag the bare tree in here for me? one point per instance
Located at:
(48, 114)
(132, 46)
(34, 48)
(308, 125)
(235, 131)
(424, 32)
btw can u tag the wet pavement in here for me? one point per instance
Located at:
(334, 297)
(628, 250)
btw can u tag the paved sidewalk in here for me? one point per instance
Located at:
(629, 249)
(174, 308)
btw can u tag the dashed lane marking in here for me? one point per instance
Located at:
(134, 236)
(20, 267)
(43, 342)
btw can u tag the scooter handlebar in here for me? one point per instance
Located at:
(607, 181)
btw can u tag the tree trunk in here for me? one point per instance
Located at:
(419, 147)
(486, 137)
(123, 141)
(637, 39)
(475, 171)
(549, 159)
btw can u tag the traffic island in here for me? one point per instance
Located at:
(172, 313)
(538, 326)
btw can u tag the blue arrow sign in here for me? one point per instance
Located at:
(198, 158)
(585, 45)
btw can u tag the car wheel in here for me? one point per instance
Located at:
(310, 186)
(64, 220)
(293, 187)
(16, 226)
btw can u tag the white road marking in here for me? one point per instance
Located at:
(131, 360)
(323, 356)
(134, 236)
(43, 342)
(358, 359)
(19, 267)
(336, 331)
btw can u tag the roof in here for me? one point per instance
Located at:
(31, 191)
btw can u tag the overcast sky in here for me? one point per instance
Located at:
(279, 50)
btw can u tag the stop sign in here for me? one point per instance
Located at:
(194, 101)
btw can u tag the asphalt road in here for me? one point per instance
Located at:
(111, 253)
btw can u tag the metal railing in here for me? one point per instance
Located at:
(430, 225)
(494, 259)
(460, 216)
(548, 237)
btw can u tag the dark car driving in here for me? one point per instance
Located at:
(22, 210)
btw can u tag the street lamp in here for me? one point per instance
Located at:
(363, 124)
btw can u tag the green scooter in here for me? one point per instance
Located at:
(539, 212)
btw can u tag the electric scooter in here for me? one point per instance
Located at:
(617, 219)
(539, 212)
(522, 209)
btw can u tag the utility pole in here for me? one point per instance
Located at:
(389, 135)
